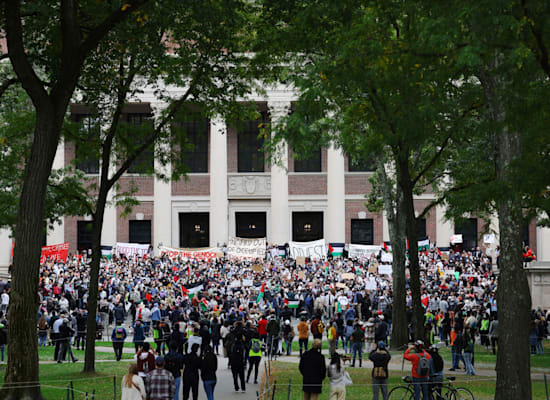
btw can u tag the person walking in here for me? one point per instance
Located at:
(288, 336)
(303, 334)
(174, 363)
(254, 357)
(493, 332)
(145, 358)
(133, 387)
(332, 337)
(336, 374)
(313, 369)
(139, 335)
(238, 363)
(118, 336)
(436, 371)
(370, 335)
(380, 358)
(160, 383)
(191, 367)
(469, 353)
(420, 360)
(209, 366)
(357, 338)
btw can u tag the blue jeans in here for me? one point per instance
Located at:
(456, 357)
(177, 381)
(288, 345)
(345, 341)
(42, 340)
(468, 361)
(209, 389)
(420, 384)
(357, 348)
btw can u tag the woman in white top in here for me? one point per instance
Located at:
(133, 387)
(336, 374)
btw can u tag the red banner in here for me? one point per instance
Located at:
(57, 252)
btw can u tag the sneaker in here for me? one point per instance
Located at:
(451, 369)
(236, 390)
(243, 391)
(75, 360)
(255, 382)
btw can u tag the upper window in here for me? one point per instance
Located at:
(310, 164)
(361, 165)
(468, 229)
(362, 231)
(84, 235)
(194, 151)
(144, 163)
(421, 228)
(140, 231)
(87, 159)
(250, 153)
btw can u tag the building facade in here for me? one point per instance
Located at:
(233, 191)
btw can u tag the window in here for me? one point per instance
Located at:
(194, 153)
(84, 235)
(311, 164)
(250, 154)
(145, 161)
(421, 228)
(87, 161)
(140, 232)
(468, 229)
(307, 226)
(361, 165)
(362, 231)
(194, 230)
(250, 224)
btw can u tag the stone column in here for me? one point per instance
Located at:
(162, 206)
(57, 234)
(280, 227)
(219, 204)
(336, 190)
(543, 244)
(444, 229)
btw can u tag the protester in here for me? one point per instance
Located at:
(133, 387)
(380, 358)
(118, 336)
(313, 369)
(209, 366)
(174, 363)
(238, 362)
(145, 358)
(160, 382)
(254, 357)
(336, 374)
(420, 360)
(303, 334)
(191, 367)
(357, 338)
(436, 370)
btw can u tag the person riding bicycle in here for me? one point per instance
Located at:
(420, 360)
(436, 371)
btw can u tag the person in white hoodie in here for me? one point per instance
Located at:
(336, 374)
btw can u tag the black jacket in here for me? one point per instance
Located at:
(313, 369)
(209, 366)
(380, 358)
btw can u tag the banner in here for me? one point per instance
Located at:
(456, 238)
(246, 248)
(489, 238)
(316, 249)
(385, 269)
(360, 250)
(387, 257)
(57, 252)
(131, 249)
(205, 254)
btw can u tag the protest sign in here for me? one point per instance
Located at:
(373, 269)
(341, 286)
(56, 252)
(235, 284)
(246, 248)
(300, 261)
(489, 238)
(359, 250)
(247, 282)
(385, 269)
(387, 257)
(456, 238)
(315, 249)
(132, 249)
(370, 284)
(257, 268)
(348, 275)
(302, 275)
(204, 254)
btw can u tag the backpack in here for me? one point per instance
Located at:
(438, 362)
(171, 365)
(119, 333)
(320, 327)
(256, 346)
(423, 366)
(379, 373)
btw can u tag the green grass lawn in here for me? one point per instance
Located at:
(46, 354)
(482, 388)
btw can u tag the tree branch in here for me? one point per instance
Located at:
(433, 160)
(5, 85)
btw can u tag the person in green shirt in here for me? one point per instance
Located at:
(254, 357)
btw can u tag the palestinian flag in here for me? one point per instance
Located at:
(326, 268)
(423, 244)
(193, 291)
(336, 249)
(292, 303)
(282, 251)
(184, 291)
(387, 247)
(106, 252)
(261, 294)
(204, 304)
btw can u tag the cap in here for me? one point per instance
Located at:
(287, 322)
(159, 360)
(419, 343)
(381, 345)
(381, 317)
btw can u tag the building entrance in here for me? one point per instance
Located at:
(307, 226)
(194, 229)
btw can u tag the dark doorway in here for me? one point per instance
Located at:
(307, 226)
(362, 231)
(468, 229)
(84, 235)
(140, 231)
(250, 224)
(194, 229)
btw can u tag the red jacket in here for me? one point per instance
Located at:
(262, 327)
(414, 357)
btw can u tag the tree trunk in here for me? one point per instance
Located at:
(396, 225)
(89, 358)
(513, 294)
(404, 182)
(23, 340)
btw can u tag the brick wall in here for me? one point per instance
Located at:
(70, 228)
(357, 183)
(123, 224)
(353, 207)
(431, 220)
(307, 184)
(194, 185)
(144, 184)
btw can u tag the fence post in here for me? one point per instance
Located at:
(546, 386)
(114, 387)
(86, 395)
(72, 391)
(289, 384)
(93, 394)
(274, 389)
(68, 392)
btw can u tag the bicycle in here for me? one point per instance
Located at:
(447, 391)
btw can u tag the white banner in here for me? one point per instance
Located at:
(456, 238)
(246, 248)
(359, 250)
(193, 254)
(489, 238)
(387, 257)
(370, 284)
(316, 249)
(131, 249)
(385, 269)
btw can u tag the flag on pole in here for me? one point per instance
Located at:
(261, 294)
(204, 304)
(184, 291)
(387, 247)
(336, 249)
(423, 244)
(292, 303)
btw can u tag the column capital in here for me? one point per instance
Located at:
(278, 109)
